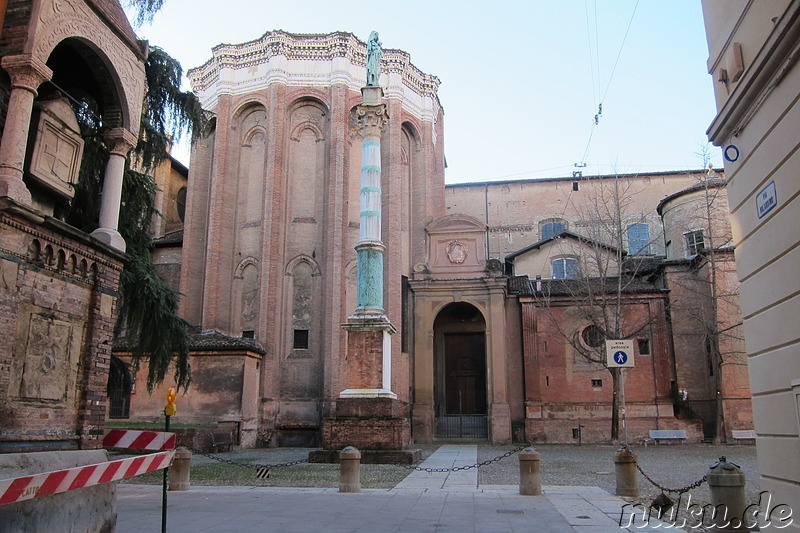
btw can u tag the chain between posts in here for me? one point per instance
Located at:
(662, 488)
(249, 465)
(409, 467)
(467, 467)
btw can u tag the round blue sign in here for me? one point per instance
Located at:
(620, 357)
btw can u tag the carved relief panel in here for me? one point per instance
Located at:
(47, 349)
(56, 156)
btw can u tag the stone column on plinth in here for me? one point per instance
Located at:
(27, 72)
(120, 142)
(369, 360)
(368, 414)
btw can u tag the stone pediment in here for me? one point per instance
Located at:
(456, 248)
(457, 223)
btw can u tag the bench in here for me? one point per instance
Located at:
(668, 434)
(741, 434)
(221, 439)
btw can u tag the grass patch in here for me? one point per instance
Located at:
(303, 475)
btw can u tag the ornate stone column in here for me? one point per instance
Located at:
(372, 117)
(27, 73)
(120, 142)
(369, 360)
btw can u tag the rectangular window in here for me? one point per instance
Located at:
(644, 346)
(694, 242)
(638, 239)
(597, 383)
(565, 268)
(300, 339)
(248, 334)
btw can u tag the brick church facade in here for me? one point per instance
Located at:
(491, 341)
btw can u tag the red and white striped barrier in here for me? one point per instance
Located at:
(39, 485)
(139, 440)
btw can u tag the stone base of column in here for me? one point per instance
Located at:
(500, 423)
(379, 433)
(110, 237)
(14, 188)
(369, 359)
(368, 415)
(422, 422)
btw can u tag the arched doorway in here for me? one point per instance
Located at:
(460, 373)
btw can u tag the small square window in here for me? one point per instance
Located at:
(695, 242)
(597, 383)
(644, 346)
(248, 334)
(300, 339)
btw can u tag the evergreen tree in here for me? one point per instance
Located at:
(145, 9)
(147, 306)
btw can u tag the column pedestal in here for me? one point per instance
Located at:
(368, 414)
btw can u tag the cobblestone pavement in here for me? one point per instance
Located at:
(439, 496)
(670, 465)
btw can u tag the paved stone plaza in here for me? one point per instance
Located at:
(424, 501)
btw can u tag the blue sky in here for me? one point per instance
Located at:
(521, 80)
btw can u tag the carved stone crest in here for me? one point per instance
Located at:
(456, 252)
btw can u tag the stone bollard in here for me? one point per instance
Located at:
(726, 484)
(180, 469)
(350, 470)
(627, 478)
(530, 479)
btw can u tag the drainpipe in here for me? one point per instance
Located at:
(486, 208)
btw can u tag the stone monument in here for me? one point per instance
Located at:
(368, 414)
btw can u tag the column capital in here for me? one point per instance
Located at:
(373, 119)
(120, 141)
(26, 71)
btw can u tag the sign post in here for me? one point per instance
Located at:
(169, 410)
(619, 354)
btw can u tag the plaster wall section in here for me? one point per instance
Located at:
(515, 211)
(758, 115)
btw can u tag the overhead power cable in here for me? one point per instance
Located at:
(619, 54)
(599, 113)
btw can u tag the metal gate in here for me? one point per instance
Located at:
(462, 427)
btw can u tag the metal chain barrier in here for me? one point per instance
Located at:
(409, 467)
(662, 488)
(467, 467)
(249, 465)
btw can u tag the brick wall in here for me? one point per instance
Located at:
(58, 291)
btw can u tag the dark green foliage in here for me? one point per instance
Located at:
(145, 9)
(147, 306)
(168, 113)
(119, 377)
(148, 313)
